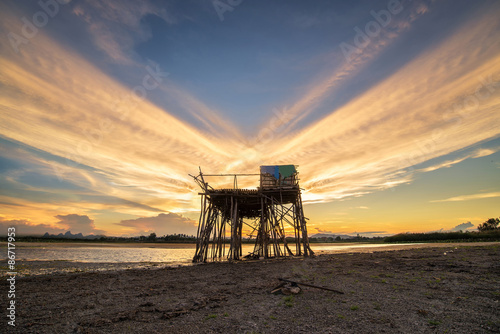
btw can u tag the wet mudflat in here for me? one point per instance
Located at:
(451, 288)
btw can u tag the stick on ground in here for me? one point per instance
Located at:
(311, 286)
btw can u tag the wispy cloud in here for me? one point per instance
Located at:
(117, 28)
(211, 119)
(116, 25)
(468, 197)
(373, 141)
(128, 141)
(479, 153)
(345, 69)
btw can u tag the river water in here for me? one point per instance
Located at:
(161, 253)
(55, 258)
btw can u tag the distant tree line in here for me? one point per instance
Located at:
(168, 238)
(357, 238)
(172, 238)
(487, 231)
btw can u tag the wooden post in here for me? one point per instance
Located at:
(305, 239)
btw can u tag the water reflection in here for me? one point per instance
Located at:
(42, 258)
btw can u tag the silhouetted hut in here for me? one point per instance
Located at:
(274, 205)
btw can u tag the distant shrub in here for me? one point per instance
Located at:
(488, 235)
(489, 225)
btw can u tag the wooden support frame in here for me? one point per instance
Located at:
(272, 208)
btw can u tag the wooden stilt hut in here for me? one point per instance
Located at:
(266, 211)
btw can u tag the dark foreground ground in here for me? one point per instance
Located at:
(429, 290)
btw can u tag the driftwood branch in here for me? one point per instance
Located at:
(311, 286)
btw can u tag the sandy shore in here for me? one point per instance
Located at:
(450, 288)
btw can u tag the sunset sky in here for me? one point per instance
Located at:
(391, 110)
